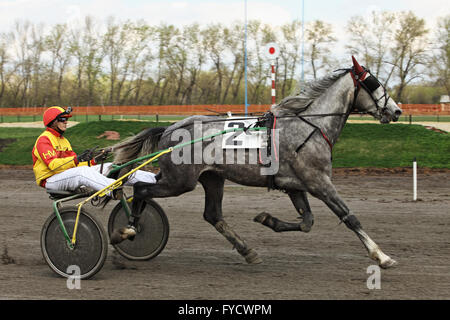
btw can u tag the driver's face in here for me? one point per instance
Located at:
(61, 124)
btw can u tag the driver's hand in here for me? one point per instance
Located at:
(86, 155)
(102, 155)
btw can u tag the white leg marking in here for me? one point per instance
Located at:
(375, 252)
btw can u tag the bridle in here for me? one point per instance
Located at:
(370, 84)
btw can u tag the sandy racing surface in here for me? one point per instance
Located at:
(198, 263)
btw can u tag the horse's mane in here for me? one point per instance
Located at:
(310, 91)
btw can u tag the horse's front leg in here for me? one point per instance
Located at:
(326, 192)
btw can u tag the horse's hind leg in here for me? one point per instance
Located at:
(328, 194)
(213, 185)
(142, 191)
(301, 204)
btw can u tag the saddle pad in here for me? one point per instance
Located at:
(243, 139)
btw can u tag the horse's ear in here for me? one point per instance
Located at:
(358, 69)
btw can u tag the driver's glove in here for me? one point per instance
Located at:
(86, 155)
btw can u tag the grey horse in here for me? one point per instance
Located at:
(305, 128)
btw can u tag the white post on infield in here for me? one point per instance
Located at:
(415, 179)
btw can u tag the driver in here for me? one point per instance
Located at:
(57, 167)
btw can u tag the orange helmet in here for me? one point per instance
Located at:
(52, 113)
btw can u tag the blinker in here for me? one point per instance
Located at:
(371, 83)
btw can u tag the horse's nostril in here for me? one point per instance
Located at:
(398, 113)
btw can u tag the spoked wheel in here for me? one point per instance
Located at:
(152, 232)
(89, 252)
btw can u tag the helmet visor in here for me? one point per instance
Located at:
(66, 113)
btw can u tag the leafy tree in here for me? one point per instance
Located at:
(409, 51)
(319, 36)
(370, 40)
(440, 59)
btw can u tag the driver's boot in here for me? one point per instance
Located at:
(129, 232)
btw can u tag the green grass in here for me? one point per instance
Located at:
(405, 118)
(81, 137)
(360, 145)
(388, 146)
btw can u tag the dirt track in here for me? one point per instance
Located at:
(198, 263)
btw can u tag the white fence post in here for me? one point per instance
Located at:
(415, 179)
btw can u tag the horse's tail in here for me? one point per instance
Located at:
(145, 142)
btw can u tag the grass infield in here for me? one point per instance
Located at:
(360, 145)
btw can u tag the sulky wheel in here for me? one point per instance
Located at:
(89, 252)
(152, 232)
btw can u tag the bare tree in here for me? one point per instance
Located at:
(197, 57)
(234, 43)
(4, 60)
(178, 62)
(36, 52)
(290, 41)
(20, 44)
(258, 70)
(56, 44)
(140, 57)
(93, 57)
(113, 45)
(85, 47)
(163, 40)
(212, 37)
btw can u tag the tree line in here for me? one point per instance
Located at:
(134, 63)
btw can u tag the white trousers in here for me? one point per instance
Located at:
(91, 177)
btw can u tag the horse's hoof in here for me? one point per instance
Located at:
(121, 234)
(252, 257)
(388, 264)
(305, 227)
(263, 216)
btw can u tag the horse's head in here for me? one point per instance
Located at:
(372, 97)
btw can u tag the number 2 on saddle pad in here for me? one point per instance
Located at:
(243, 139)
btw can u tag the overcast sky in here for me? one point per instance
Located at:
(184, 12)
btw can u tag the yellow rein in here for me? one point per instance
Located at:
(110, 188)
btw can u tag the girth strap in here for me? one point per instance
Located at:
(269, 120)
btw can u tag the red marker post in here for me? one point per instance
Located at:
(272, 51)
